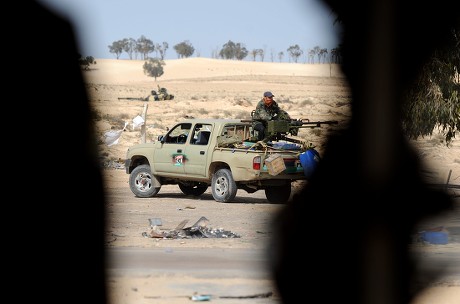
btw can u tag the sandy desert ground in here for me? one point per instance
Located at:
(230, 89)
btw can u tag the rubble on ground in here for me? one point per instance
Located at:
(197, 230)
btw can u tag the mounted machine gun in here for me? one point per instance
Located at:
(133, 98)
(276, 130)
(162, 94)
(279, 129)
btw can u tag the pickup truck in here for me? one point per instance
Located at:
(198, 153)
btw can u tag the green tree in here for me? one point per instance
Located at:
(117, 48)
(184, 49)
(240, 51)
(228, 50)
(317, 51)
(254, 53)
(280, 56)
(129, 46)
(257, 52)
(295, 52)
(336, 55)
(311, 56)
(145, 47)
(261, 54)
(434, 98)
(85, 62)
(232, 50)
(160, 49)
(154, 67)
(322, 55)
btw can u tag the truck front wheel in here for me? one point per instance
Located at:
(140, 182)
(223, 186)
(278, 194)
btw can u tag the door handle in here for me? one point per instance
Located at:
(202, 152)
(179, 150)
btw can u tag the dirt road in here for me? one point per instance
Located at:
(221, 267)
(128, 217)
(153, 270)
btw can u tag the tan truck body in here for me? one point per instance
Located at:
(198, 153)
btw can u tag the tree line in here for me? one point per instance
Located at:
(143, 48)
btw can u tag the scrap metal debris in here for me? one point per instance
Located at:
(255, 296)
(196, 297)
(197, 230)
(155, 221)
(201, 298)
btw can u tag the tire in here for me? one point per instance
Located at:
(195, 190)
(278, 194)
(140, 182)
(223, 186)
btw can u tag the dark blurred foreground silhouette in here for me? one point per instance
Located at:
(364, 201)
(58, 217)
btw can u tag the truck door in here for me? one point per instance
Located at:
(197, 150)
(170, 156)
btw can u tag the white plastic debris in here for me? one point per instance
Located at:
(138, 121)
(112, 137)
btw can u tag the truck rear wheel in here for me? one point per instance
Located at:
(140, 182)
(278, 194)
(223, 186)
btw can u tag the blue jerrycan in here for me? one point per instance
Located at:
(309, 161)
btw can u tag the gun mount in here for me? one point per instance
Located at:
(276, 130)
(279, 129)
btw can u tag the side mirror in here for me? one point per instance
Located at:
(161, 138)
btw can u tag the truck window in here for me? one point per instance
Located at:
(201, 134)
(178, 134)
(240, 130)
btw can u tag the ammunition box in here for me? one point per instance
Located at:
(275, 164)
(278, 126)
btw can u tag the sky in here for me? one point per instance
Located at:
(270, 25)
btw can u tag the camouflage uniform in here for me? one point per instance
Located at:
(263, 113)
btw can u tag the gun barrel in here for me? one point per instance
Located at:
(130, 98)
(312, 124)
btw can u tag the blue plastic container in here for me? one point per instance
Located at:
(435, 237)
(309, 161)
(286, 146)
